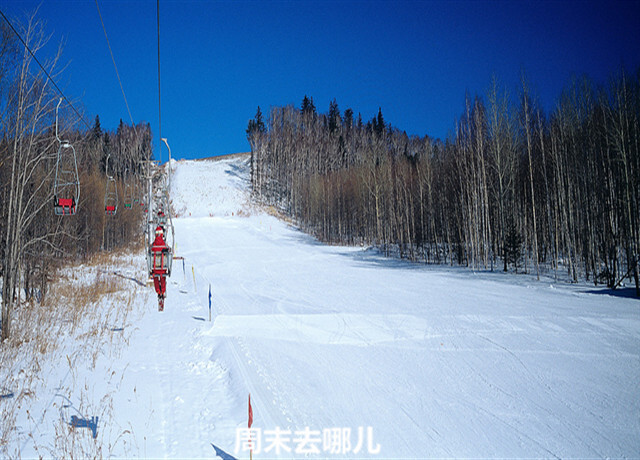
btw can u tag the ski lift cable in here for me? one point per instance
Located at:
(80, 117)
(159, 92)
(116, 68)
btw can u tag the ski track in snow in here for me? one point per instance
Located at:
(440, 362)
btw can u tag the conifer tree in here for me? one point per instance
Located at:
(334, 116)
(97, 130)
(307, 105)
(348, 118)
(379, 125)
(513, 244)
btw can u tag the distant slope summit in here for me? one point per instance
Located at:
(201, 188)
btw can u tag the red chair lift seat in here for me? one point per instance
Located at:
(64, 206)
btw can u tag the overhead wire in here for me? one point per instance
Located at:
(116, 67)
(159, 91)
(80, 117)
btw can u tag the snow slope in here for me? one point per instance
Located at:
(413, 361)
(203, 188)
(438, 362)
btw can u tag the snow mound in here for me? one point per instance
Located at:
(212, 187)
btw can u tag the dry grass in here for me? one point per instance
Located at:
(73, 327)
(278, 214)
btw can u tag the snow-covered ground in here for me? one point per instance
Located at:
(350, 354)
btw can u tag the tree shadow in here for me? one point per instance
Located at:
(298, 236)
(375, 257)
(222, 454)
(116, 273)
(625, 292)
(239, 171)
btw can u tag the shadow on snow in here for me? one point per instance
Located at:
(222, 454)
(626, 292)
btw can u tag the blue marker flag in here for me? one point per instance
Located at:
(209, 297)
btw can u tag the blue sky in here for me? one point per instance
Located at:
(415, 60)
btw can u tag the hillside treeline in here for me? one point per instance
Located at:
(33, 240)
(512, 187)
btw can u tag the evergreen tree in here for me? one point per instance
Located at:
(348, 118)
(379, 123)
(307, 105)
(334, 116)
(512, 244)
(256, 125)
(97, 130)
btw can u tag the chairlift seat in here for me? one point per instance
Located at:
(64, 206)
(110, 210)
(160, 256)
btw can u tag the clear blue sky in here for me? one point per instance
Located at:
(415, 60)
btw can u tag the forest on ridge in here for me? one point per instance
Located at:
(512, 187)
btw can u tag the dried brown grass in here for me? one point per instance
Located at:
(73, 326)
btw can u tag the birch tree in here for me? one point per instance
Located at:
(29, 108)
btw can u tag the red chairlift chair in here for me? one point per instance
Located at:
(160, 263)
(111, 193)
(66, 184)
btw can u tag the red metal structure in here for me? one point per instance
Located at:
(160, 261)
(159, 234)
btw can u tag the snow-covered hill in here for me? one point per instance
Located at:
(210, 188)
(346, 353)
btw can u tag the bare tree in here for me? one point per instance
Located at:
(29, 115)
(527, 124)
(562, 189)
